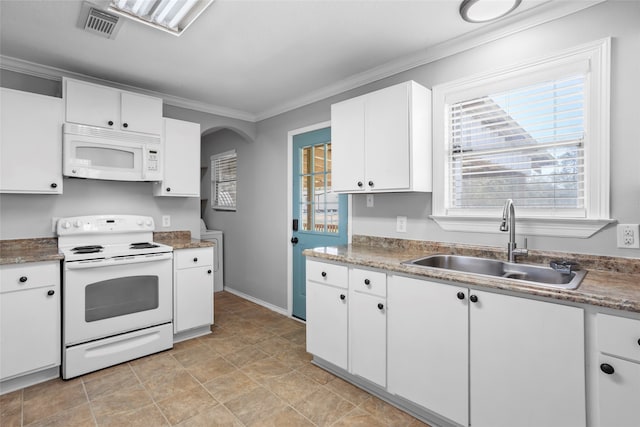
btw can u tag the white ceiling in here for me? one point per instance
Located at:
(255, 59)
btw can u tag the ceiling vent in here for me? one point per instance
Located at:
(98, 21)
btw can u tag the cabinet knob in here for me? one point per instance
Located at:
(370, 183)
(168, 189)
(51, 292)
(323, 274)
(125, 125)
(367, 281)
(473, 298)
(195, 259)
(380, 306)
(209, 271)
(110, 122)
(342, 297)
(460, 295)
(360, 184)
(607, 369)
(23, 279)
(54, 185)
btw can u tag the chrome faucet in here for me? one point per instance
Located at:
(509, 214)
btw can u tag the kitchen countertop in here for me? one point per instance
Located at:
(610, 282)
(19, 251)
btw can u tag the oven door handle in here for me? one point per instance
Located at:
(111, 262)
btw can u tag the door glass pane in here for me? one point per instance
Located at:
(318, 158)
(307, 190)
(305, 216)
(332, 217)
(121, 296)
(306, 160)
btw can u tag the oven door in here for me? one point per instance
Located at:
(102, 298)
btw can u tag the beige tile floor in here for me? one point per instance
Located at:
(253, 370)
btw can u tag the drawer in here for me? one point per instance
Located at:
(197, 257)
(330, 274)
(15, 277)
(619, 336)
(367, 281)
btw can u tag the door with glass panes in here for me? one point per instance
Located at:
(319, 215)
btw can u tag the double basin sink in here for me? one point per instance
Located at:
(528, 274)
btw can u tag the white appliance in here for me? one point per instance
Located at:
(97, 153)
(116, 291)
(215, 236)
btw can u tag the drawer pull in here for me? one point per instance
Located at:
(367, 282)
(51, 292)
(342, 297)
(23, 279)
(195, 259)
(460, 295)
(209, 271)
(323, 274)
(607, 369)
(380, 306)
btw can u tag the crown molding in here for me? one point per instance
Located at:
(539, 15)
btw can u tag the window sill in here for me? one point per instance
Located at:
(556, 227)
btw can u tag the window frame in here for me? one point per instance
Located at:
(596, 57)
(214, 158)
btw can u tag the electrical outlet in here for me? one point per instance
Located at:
(401, 224)
(369, 200)
(166, 220)
(628, 236)
(54, 223)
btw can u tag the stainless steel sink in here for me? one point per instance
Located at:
(531, 274)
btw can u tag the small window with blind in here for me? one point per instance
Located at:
(224, 181)
(536, 133)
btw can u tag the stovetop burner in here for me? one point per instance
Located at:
(89, 249)
(143, 245)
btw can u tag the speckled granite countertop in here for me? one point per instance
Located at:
(46, 249)
(19, 251)
(610, 282)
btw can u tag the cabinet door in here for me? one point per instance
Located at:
(347, 145)
(619, 393)
(428, 345)
(368, 337)
(387, 163)
(181, 160)
(140, 113)
(526, 362)
(193, 298)
(31, 149)
(92, 105)
(327, 323)
(29, 330)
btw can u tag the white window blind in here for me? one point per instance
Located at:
(525, 144)
(224, 180)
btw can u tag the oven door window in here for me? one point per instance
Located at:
(121, 296)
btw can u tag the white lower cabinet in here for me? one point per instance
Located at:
(327, 318)
(618, 383)
(192, 288)
(29, 318)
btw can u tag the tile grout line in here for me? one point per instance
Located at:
(86, 394)
(150, 395)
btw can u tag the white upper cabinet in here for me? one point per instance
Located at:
(381, 141)
(31, 149)
(181, 160)
(102, 106)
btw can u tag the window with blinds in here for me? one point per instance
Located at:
(224, 181)
(525, 144)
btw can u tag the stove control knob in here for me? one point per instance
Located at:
(140, 222)
(66, 224)
(77, 224)
(149, 223)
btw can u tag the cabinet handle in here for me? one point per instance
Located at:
(342, 297)
(360, 184)
(473, 298)
(168, 189)
(51, 293)
(638, 341)
(195, 259)
(323, 274)
(370, 183)
(23, 279)
(380, 306)
(460, 295)
(125, 125)
(607, 369)
(110, 122)
(54, 185)
(209, 271)
(367, 281)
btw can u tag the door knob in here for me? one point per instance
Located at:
(294, 240)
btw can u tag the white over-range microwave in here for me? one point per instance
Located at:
(97, 153)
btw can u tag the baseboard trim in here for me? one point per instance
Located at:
(265, 304)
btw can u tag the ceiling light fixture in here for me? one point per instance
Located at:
(172, 16)
(486, 10)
